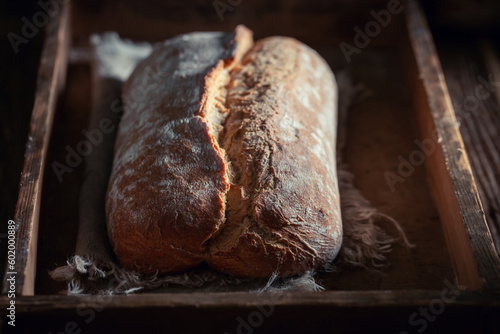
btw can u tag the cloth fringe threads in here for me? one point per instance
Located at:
(364, 245)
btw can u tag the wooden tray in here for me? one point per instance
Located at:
(437, 205)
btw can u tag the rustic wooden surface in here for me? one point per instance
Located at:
(471, 84)
(59, 208)
(50, 81)
(18, 73)
(412, 298)
(330, 312)
(428, 267)
(471, 247)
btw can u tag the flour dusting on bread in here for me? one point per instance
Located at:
(226, 154)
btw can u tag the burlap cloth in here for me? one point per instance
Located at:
(94, 268)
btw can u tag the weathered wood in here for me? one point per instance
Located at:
(458, 211)
(472, 91)
(342, 312)
(49, 84)
(475, 261)
(251, 299)
(18, 73)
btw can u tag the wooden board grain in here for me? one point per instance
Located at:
(383, 298)
(49, 84)
(471, 82)
(469, 241)
(18, 73)
(372, 312)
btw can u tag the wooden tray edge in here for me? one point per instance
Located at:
(474, 259)
(50, 82)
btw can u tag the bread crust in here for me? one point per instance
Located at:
(228, 158)
(283, 211)
(166, 195)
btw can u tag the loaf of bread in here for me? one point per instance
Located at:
(226, 155)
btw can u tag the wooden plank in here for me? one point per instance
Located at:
(478, 112)
(474, 259)
(251, 299)
(50, 81)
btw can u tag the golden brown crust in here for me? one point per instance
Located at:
(227, 159)
(283, 210)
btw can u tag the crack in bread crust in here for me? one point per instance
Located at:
(281, 211)
(166, 194)
(230, 159)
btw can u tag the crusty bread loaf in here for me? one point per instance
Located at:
(226, 154)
